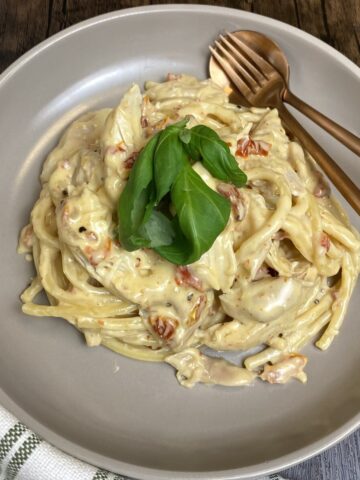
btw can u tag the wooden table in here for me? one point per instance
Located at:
(24, 23)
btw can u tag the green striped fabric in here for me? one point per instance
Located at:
(21, 456)
(10, 438)
(25, 456)
(101, 475)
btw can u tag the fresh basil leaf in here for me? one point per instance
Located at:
(136, 241)
(164, 166)
(134, 201)
(190, 146)
(180, 250)
(170, 158)
(202, 215)
(158, 229)
(215, 155)
(185, 135)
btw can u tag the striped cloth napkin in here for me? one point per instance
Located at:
(25, 456)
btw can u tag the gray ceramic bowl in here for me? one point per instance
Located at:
(139, 421)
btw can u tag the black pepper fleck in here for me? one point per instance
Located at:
(272, 272)
(82, 229)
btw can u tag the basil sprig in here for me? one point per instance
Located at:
(162, 182)
(169, 158)
(202, 215)
(205, 145)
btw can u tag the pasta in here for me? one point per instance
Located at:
(280, 275)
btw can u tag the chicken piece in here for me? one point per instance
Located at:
(194, 367)
(283, 371)
(265, 300)
(81, 135)
(123, 135)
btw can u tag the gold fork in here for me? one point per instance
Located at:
(268, 75)
(262, 85)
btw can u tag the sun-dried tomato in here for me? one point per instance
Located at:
(247, 146)
(129, 162)
(184, 276)
(164, 327)
(325, 241)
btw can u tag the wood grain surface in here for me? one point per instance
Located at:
(24, 23)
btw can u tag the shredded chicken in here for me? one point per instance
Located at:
(283, 371)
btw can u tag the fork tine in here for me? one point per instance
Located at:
(244, 74)
(254, 72)
(258, 60)
(231, 73)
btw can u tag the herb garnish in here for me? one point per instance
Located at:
(163, 180)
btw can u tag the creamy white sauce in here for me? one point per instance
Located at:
(263, 274)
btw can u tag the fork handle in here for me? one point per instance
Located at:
(338, 177)
(340, 133)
